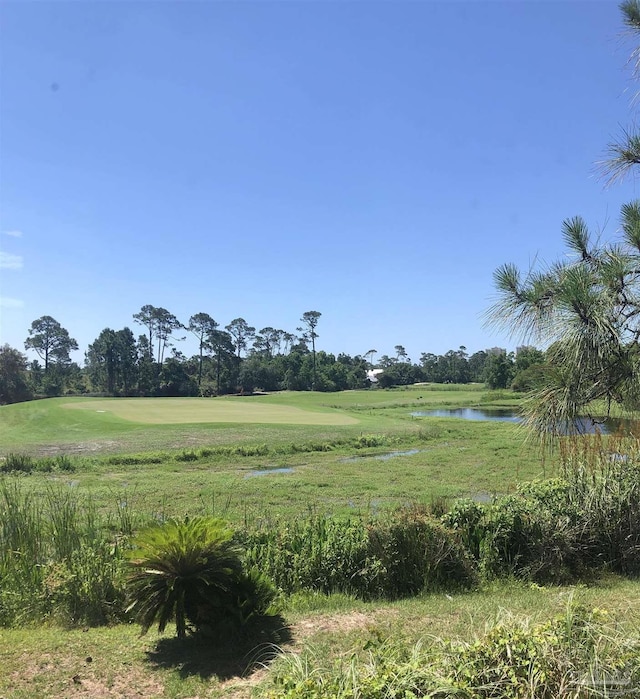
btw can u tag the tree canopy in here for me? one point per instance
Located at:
(585, 307)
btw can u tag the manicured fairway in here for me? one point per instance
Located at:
(82, 424)
(172, 411)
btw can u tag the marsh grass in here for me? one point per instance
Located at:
(55, 537)
(56, 560)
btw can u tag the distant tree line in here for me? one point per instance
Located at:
(234, 359)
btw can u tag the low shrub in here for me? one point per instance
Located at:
(371, 440)
(524, 539)
(138, 460)
(577, 654)
(466, 517)
(417, 553)
(317, 553)
(389, 557)
(186, 456)
(563, 529)
(190, 570)
(13, 463)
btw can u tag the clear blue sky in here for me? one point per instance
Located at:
(374, 161)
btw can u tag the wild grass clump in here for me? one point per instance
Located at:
(389, 557)
(251, 450)
(563, 529)
(138, 459)
(24, 463)
(498, 396)
(186, 456)
(55, 560)
(604, 478)
(62, 463)
(13, 463)
(371, 440)
(418, 554)
(577, 654)
(264, 449)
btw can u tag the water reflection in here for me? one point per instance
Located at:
(495, 414)
(584, 425)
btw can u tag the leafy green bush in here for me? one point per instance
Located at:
(418, 554)
(317, 553)
(525, 539)
(574, 654)
(466, 517)
(389, 557)
(190, 570)
(562, 529)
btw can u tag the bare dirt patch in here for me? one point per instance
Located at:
(69, 677)
(78, 448)
(332, 624)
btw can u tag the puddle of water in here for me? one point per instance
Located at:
(482, 496)
(380, 457)
(394, 454)
(267, 471)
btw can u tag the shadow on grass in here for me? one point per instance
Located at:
(223, 656)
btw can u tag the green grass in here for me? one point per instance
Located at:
(139, 469)
(201, 468)
(451, 459)
(229, 409)
(74, 425)
(43, 662)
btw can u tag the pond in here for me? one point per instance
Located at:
(586, 425)
(495, 414)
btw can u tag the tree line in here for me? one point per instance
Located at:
(235, 358)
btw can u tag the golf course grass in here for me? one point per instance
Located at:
(83, 425)
(262, 461)
(168, 411)
(279, 455)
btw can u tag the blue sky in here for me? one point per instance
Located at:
(374, 161)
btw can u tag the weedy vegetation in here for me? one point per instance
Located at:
(236, 547)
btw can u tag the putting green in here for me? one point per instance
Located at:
(171, 411)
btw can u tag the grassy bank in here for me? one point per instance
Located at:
(47, 662)
(94, 478)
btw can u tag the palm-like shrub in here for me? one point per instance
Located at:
(183, 569)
